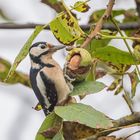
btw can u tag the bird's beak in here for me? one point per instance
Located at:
(55, 47)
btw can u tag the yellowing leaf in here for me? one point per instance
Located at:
(78, 131)
(49, 127)
(114, 84)
(134, 82)
(81, 6)
(65, 28)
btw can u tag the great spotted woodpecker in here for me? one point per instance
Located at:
(46, 76)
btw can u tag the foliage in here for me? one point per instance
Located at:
(87, 87)
(65, 28)
(72, 118)
(86, 115)
(114, 55)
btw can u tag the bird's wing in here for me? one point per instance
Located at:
(48, 90)
(33, 80)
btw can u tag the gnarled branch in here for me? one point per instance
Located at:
(99, 24)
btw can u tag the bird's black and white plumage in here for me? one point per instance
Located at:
(47, 77)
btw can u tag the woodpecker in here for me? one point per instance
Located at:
(46, 76)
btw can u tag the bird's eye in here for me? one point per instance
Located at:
(43, 47)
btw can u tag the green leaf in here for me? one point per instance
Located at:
(58, 136)
(50, 122)
(94, 44)
(81, 6)
(87, 87)
(130, 15)
(65, 28)
(90, 76)
(96, 15)
(83, 114)
(24, 51)
(114, 55)
(97, 44)
(136, 51)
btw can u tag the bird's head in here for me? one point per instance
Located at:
(40, 49)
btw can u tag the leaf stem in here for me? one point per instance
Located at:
(117, 37)
(127, 45)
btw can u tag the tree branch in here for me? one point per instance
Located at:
(128, 120)
(124, 122)
(99, 24)
(122, 26)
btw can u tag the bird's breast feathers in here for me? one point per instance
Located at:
(56, 75)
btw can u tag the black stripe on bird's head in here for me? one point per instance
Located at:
(43, 48)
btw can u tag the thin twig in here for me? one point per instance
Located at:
(122, 26)
(125, 97)
(111, 130)
(128, 120)
(99, 24)
(132, 134)
(117, 37)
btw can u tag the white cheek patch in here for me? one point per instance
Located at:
(36, 51)
(42, 88)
